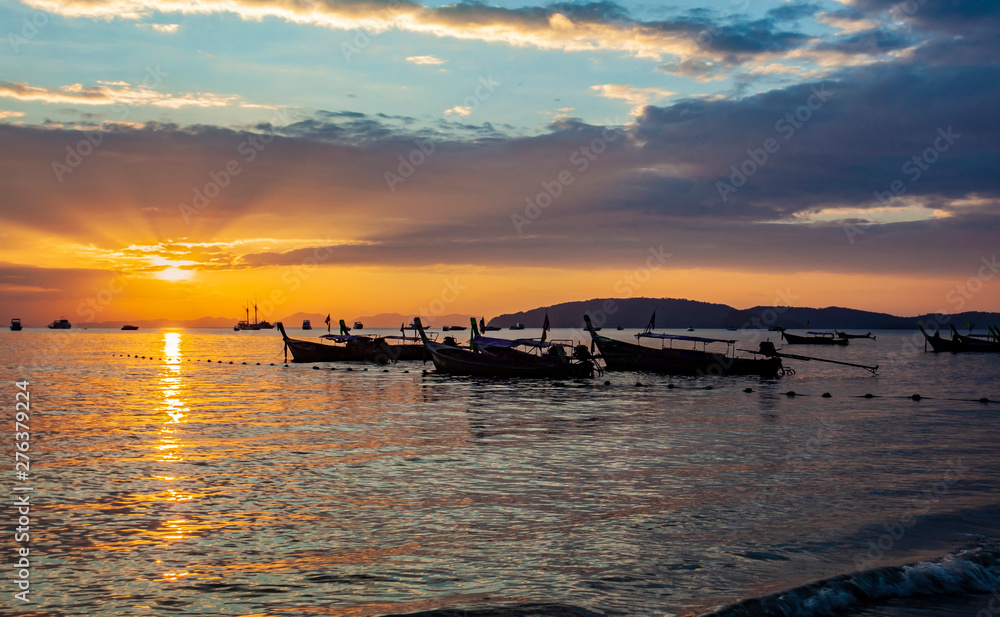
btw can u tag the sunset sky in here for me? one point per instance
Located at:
(170, 159)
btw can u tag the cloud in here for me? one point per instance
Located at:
(111, 93)
(631, 94)
(458, 110)
(572, 27)
(842, 142)
(162, 28)
(425, 60)
(4, 114)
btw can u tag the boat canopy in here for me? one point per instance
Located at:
(343, 338)
(488, 341)
(681, 337)
(817, 333)
(400, 338)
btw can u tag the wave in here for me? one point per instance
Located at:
(975, 569)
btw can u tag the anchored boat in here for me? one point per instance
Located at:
(813, 338)
(491, 357)
(669, 360)
(338, 348)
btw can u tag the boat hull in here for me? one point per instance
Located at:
(622, 356)
(959, 344)
(372, 350)
(795, 339)
(458, 361)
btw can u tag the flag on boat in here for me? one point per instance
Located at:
(545, 326)
(652, 322)
(327, 322)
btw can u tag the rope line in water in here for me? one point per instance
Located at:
(639, 384)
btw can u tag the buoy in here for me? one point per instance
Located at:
(916, 397)
(869, 395)
(748, 390)
(708, 387)
(790, 393)
(244, 364)
(406, 371)
(607, 383)
(984, 400)
(826, 395)
(366, 370)
(638, 384)
(258, 364)
(332, 368)
(272, 364)
(315, 368)
(670, 386)
(350, 369)
(385, 370)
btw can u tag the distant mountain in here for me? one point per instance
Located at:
(201, 322)
(678, 313)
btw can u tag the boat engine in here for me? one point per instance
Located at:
(767, 349)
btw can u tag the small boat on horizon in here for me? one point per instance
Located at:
(517, 326)
(813, 338)
(306, 324)
(128, 327)
(15, 324)
(485, 328)
(358, 325)
(845, 335)
(246, 324)
(60, 324)
(454, 328)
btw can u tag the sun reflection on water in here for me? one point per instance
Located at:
(172, 404)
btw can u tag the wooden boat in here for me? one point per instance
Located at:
(453, 328)
(845, 335)
(341, 348)
(492, 357)
(15, 325)
(485, 328)
(814, 338)
(128, 327)
(958, 343)
(60, 324)
(622, 356)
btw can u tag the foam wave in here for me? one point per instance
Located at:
(972, 570)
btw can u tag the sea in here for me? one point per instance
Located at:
(192, 472)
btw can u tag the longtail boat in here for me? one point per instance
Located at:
(492, 357)
(669, 360)
(958, 343)
(341, 348)
(845, 335)
(813, 338)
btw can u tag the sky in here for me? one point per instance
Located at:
(172, 159)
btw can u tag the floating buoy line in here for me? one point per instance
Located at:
(638, 384)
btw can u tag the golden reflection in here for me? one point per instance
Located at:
(172, 405)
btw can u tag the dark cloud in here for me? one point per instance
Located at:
(654, 183)
(794, 11)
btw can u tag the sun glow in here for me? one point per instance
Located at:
(173, 274)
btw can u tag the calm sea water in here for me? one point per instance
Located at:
(171, 485)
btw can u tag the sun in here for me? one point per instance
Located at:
(173, 274)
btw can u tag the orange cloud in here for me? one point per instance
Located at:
(478, 22)
(113, 93)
